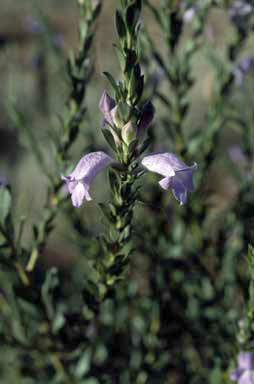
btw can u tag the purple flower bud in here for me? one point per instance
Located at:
(106, 105)
(178, 176)
(244, 373)
(79, 180)
(146, 118)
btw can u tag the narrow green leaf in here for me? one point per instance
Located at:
(83, 365)
(50, 283)
(113, 180)
(120, 25)
(5, 204)
(132, 15)
(112, 81)
(107, 212)
(109, 138)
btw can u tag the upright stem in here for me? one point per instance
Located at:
(130, 118)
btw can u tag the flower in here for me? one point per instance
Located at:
(79, 180)
(236, 155)
(242, 69)
(3, 182)
(244, 373)
(239, 11)
(189, 15)
(178, 176)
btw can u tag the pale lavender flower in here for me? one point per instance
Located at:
(189, 14)
(80, 179)
(239, 11)
(177, 175)
(3, 182)
(242, 69)
(236, 155)
(244, 373)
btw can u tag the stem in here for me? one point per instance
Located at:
(117, 243)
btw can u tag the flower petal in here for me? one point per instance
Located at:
(235, 375)
(247, 377)
(166, 183)
(179, 190)
(165, 163)
(186, 177)
(245, 360)
(79, 180)
(89, 165)
(158, 163)
(78, 195)
(71, 184)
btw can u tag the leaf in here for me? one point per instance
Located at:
(14, 314)
(5, 204)
(109, 138)
(50, 283)
(145, 145)
(91, 380)
(113, 180)
(124, 111)
(120, 25)
(112, 81)
(83, 365)
(121, 57)
(133, 14)
(107, 212)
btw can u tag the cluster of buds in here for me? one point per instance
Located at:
(127, 127)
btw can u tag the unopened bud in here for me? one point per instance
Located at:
(106, 105)
(129, 132)
(116, 117)
(146, 118)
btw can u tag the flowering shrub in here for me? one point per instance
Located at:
(138, 285)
